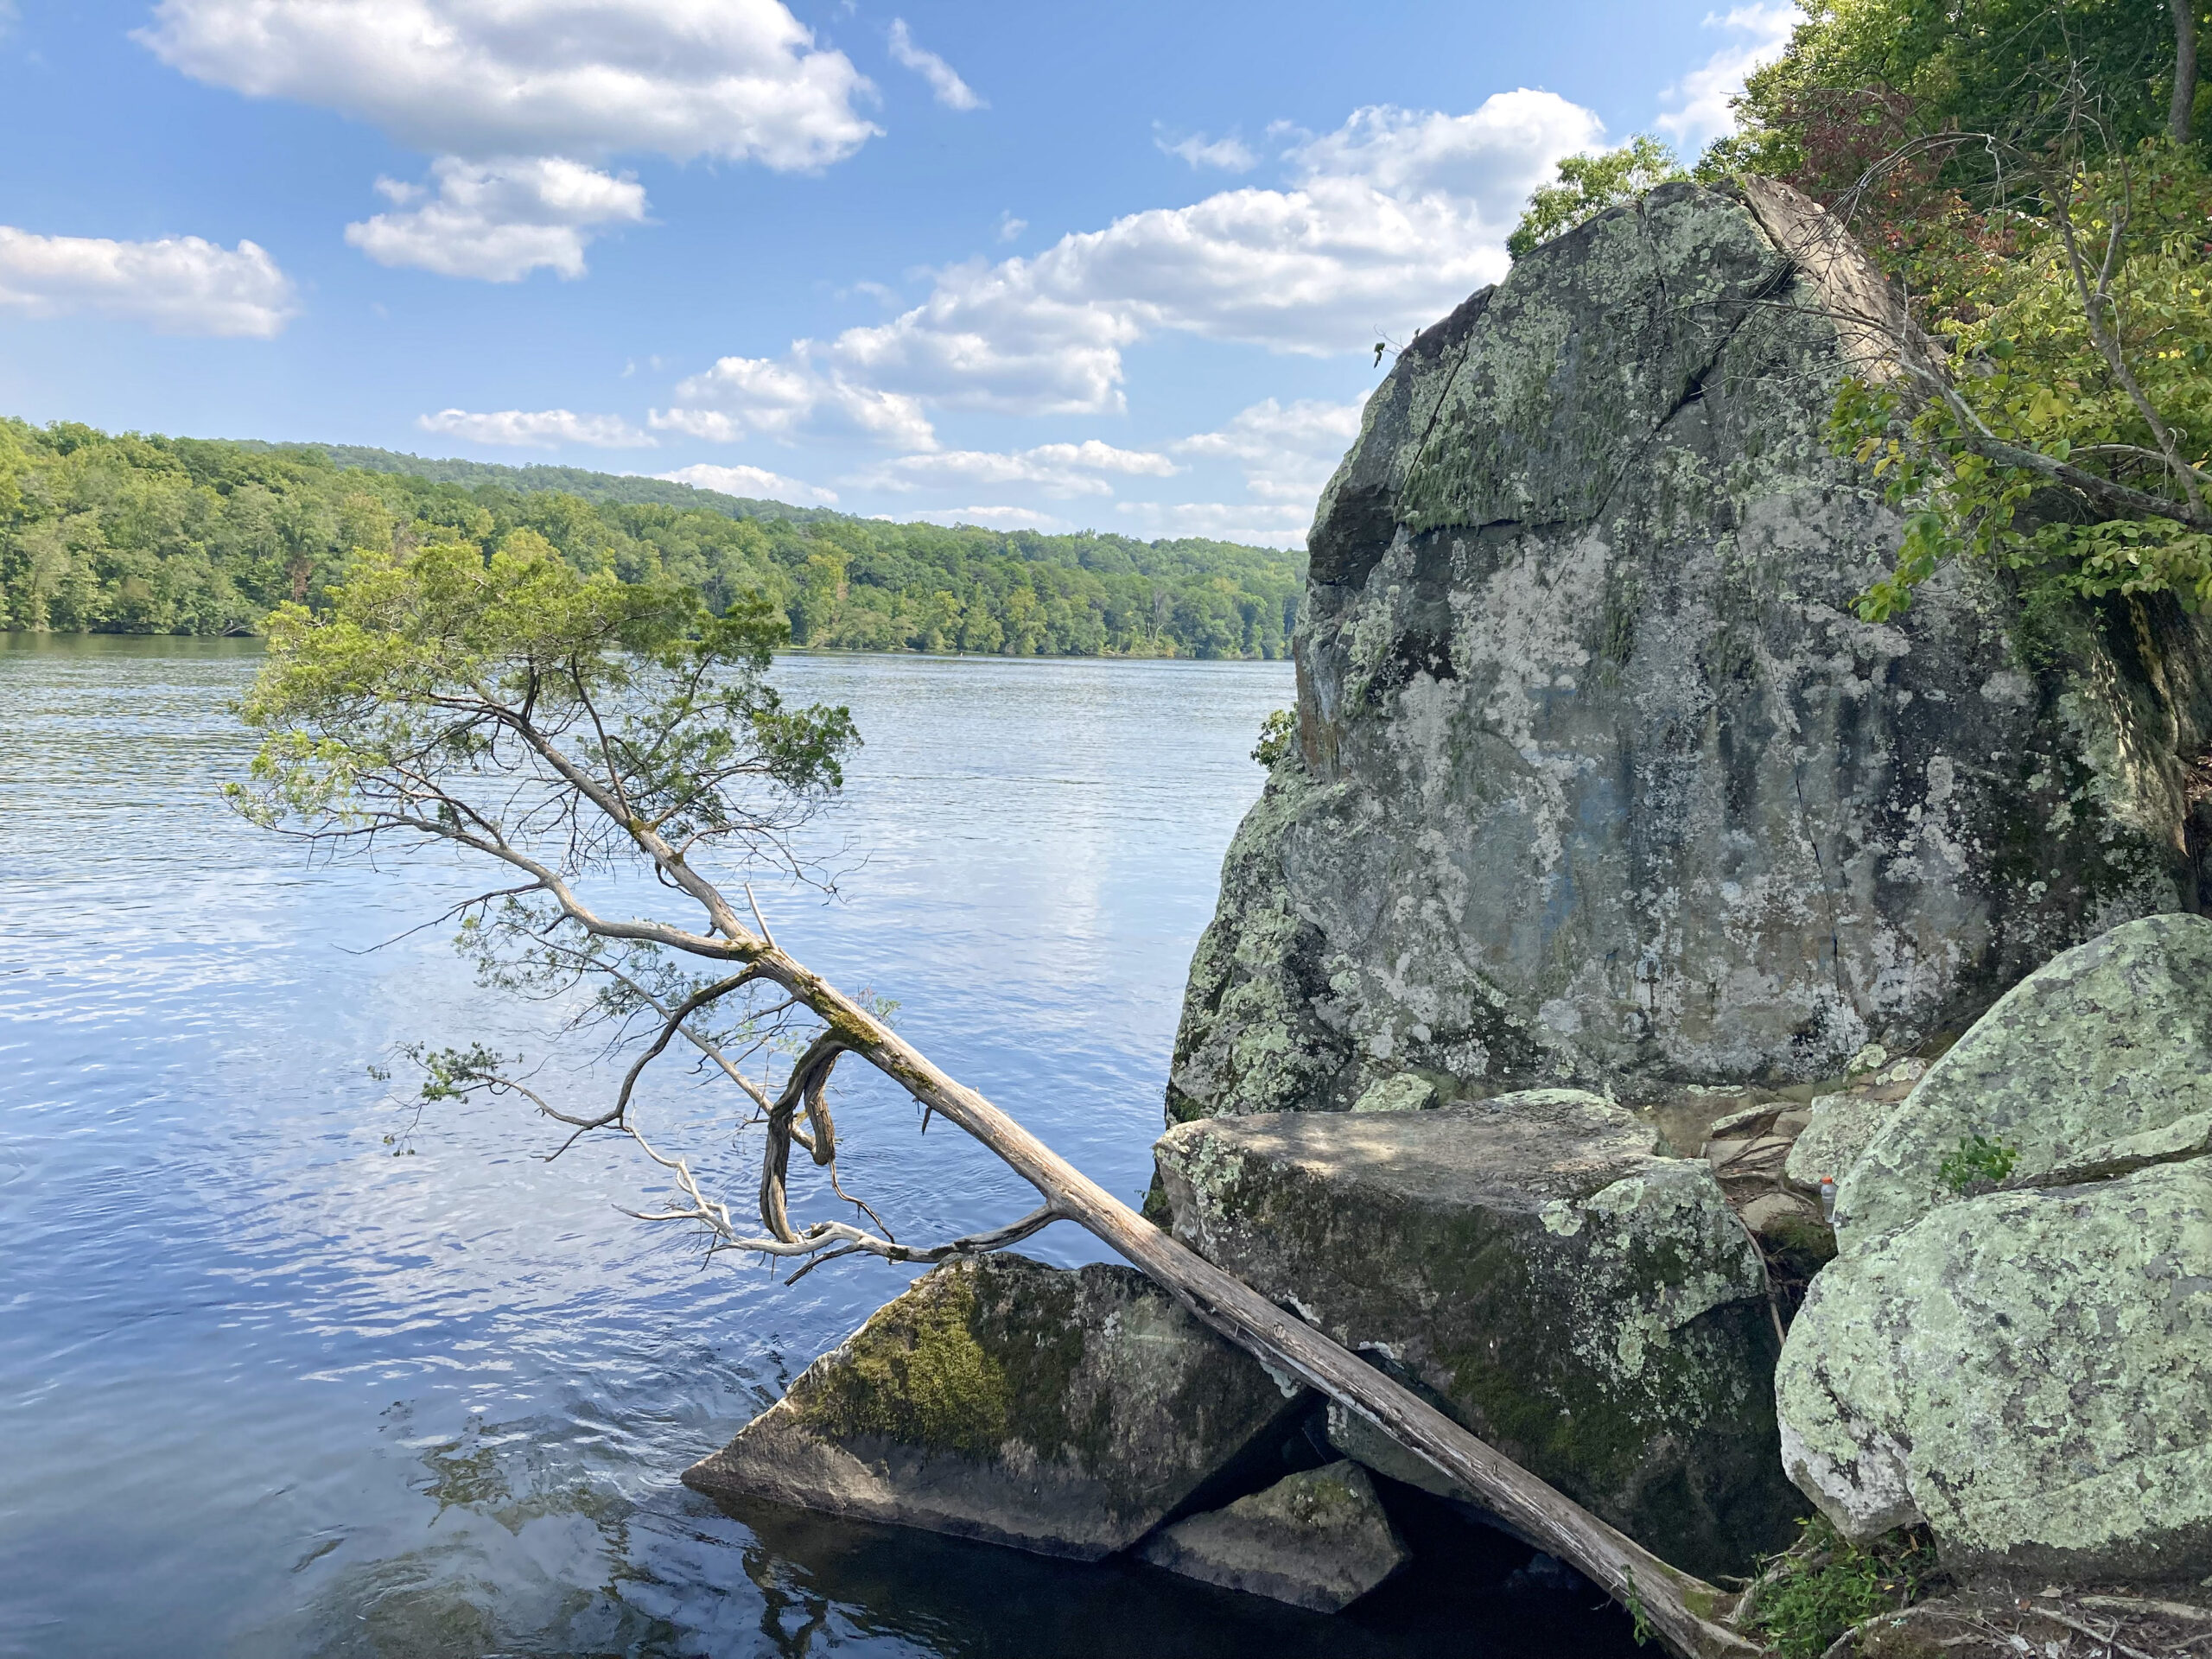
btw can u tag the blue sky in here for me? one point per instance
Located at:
(1115, 266)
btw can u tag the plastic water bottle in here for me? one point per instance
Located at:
(1828, 1199)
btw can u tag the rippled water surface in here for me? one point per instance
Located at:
(267, 1388)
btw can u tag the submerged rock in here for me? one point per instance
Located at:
(2029, 1373)
(1594, 1310)
(2099, 1063)
(1318, 1539)
(1599, 779)
(1067, 1411)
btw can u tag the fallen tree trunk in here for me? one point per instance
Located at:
(514, 711)
(1682, 1611)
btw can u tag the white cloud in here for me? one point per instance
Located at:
(180, 284)
(1255, 523)
(991, 517)
(756, 482)
(544, 428)
(949, 90)
(1287, 450)
(1058, 469)
(499, 221)
(1010, 227)
(741, 396)
(1701, 96)
(1391, 220)
(1231, 154)
(739, 79)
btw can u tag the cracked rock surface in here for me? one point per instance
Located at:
(1599, 780)
(1594, 1310)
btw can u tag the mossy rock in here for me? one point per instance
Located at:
(1593, 1310)
(1062, 1410)
(2098, 1063)
(2028, 1373)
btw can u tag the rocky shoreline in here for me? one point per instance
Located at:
(1750, 1066)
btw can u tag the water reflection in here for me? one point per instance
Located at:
(267, 1390)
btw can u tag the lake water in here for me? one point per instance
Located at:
(271, 1384)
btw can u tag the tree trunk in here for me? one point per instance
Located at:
(1681, 1610)
(2182, 112)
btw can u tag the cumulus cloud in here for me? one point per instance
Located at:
(947, 87)
(742, 396)
(1058, 469)
(755, 481)
(1388, 223)
(1701, 98)
(180, 284)
(1260, 524)
(738, 79)
(1231, 154)
(542, 428)
(499, 221)
(992, 518)
(1287, 450)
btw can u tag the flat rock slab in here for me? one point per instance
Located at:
(2098, 1063)
(1318, 1539)
(1594, 1310)
(1067, 1411)
(2029, 1373)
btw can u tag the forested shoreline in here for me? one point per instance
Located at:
(126, 533)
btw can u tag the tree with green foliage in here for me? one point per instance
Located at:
(1589, 184)
(149, 534)
(2026, 174)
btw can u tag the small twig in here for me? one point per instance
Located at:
(2094, 1634)
(758, 917)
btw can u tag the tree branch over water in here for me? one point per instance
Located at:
(578, 730)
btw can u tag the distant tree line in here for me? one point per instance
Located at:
(131, 534)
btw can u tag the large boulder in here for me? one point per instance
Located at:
(2029, 1373)
(1318, 1540)
(1599, 779)
(2099, 1063)
(1067, 1411)
(1593, 1310)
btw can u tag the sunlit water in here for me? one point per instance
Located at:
(272, 1383)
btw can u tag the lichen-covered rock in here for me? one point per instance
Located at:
(1318, 1539)
(1599, 779)
(1067, 1411)
(2098, 1063)
(2029, 1372)
(1842, 1124)
(1594, 1310)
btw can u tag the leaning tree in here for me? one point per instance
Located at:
(575, 735)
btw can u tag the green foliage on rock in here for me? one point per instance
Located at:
(1808, 1597)
(1278, 735)
(131, 534)
(1975, 1161)
(1587, 185)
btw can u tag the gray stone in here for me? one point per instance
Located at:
(2029, 1372)
(1594, 1310)
(1599, 779)
(1067, 1411)
(1318, 1540)
(2098, 1063)
(1403, 1093)
(1840, 1127)
(1360, 1440)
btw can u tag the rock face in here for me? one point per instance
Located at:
(1067, 1411)
(2029, 1372)
(1598, 779)
(1592, 1310)
(1318, 1540)
(2099, 1063)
